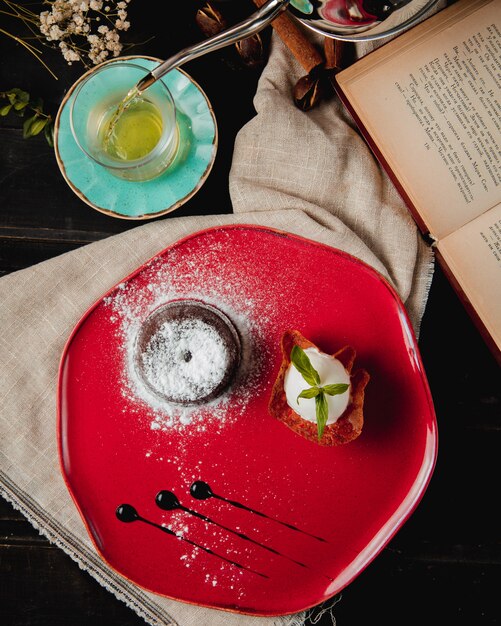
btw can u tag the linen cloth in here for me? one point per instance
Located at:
(307, 173)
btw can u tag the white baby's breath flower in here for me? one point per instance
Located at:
(112, 42)
(43, 22)
(70, 21)
(55, 33)
(69, 54)
(122, 25)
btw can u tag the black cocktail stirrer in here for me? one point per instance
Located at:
(127, 513)
(168, 501)
(202, 491)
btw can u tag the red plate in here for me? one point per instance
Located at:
(120, 448)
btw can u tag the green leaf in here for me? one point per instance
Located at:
(49, 133)
(27, 126)
(302, 363)
(4, 110)
(38, 125)
(322, 411)
(37, 104)
(17, 95)
(334, 390)
(19, 106)
(312, 392)
(21, 95)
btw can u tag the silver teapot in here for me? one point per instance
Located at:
(347, 20)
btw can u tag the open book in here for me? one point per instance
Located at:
(429, 105)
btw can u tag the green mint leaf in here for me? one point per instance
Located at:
(335, 390)
(312, 392)
(5, 109)
(303, 365)
(322, 411)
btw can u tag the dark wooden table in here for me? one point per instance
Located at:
(444, 565)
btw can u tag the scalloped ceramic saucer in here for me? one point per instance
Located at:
(142, 200)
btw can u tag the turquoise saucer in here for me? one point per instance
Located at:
(142, 200)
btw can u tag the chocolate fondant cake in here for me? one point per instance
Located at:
(187, 352)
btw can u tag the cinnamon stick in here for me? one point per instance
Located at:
(297, 42)
(333, 50)
(338, 54)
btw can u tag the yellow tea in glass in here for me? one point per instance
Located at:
(133, 135)
(131, 132)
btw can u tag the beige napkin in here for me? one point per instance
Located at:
(308, 174)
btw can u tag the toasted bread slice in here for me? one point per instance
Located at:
(349, 426)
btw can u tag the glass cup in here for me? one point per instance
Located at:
(139, 143)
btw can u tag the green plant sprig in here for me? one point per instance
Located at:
(19, 102)
(302, 363)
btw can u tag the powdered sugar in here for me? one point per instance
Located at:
(197, 277)
(185, 359)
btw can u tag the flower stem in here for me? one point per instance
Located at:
(30, 49)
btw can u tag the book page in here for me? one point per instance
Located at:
(431, 102)
(473, 254)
